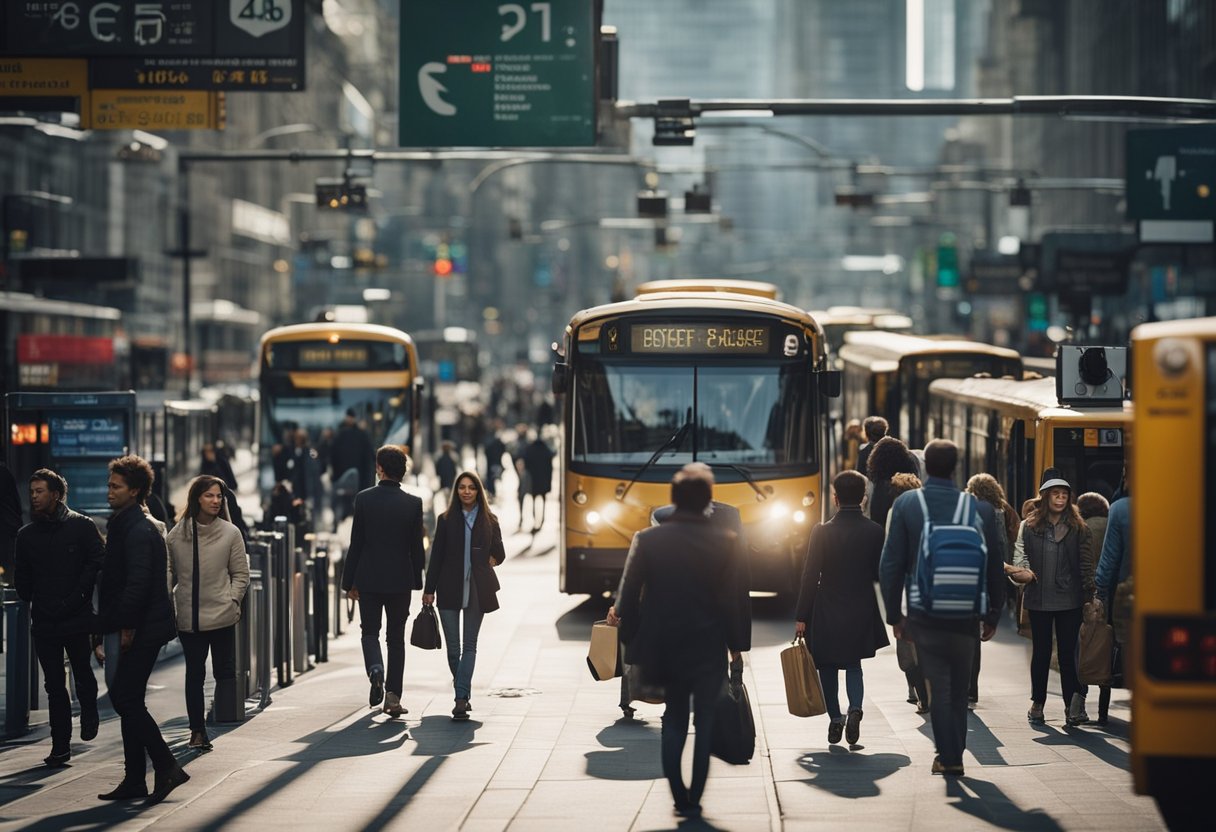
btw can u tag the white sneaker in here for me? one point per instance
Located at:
(392, 705)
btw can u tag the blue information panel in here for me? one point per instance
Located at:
(88, 434)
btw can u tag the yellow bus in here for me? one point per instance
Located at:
(1172, 661)
(1014, 430)
(735, 380)
(888, 374)
(838, 320)
(311, 375)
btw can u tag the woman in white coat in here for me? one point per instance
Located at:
(209, 574)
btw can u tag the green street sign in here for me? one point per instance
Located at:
(484, 73)
(1171, 173)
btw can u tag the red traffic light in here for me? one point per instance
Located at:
(442, 267)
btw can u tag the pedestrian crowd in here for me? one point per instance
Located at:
(944, 559)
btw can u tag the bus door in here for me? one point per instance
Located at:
(1091, 459)
(74, 434)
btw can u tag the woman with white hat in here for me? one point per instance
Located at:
(1053, 542)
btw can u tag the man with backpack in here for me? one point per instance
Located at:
(943, 548)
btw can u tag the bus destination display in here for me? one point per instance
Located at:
(699, 338)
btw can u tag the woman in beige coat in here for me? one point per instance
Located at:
(209, 573)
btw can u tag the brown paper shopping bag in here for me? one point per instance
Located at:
(601, 656)
(803, 692)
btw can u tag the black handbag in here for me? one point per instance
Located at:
(734, 738)
(425, 633)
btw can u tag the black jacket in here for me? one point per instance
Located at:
(683, 599)
(538, 461)
(352, 448)
(10, 517)
(837, 599)
(134, 580)
(386, 552)
(445, 567)
(57, 560)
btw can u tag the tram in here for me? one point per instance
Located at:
(1016, 429)
(1172, 661)
(888, 374)
(735, 380)
(310, 375)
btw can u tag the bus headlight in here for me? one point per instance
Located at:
(800, 516)
(778, 511)
(593, 518)
(580, 498)
(809, 499)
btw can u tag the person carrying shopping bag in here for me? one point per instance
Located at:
(837, 601)
(460, 570)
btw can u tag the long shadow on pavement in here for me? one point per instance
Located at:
(360, 738)
(637, 757)
(1097, 744)
(985, 801)
(850, 773)
(981, 742)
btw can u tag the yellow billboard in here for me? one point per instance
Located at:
(44, 77)
(153, 110)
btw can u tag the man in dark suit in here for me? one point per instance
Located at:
(693, 575)
(383, 565)
(944, 646)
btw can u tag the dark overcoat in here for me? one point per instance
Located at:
(134, 593)
(683, 599)
(837, 598)
(386, 554)
(445, 566)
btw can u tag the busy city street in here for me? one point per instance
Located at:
(546, 748)
(607, 414)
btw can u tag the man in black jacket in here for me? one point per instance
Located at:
(134, 602)
(57, 558)
(944, 646)
(383, 565)
(692, 573)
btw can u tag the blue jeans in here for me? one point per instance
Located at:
(854, 688)
(462, 653)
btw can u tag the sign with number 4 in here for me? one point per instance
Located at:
(260, 17)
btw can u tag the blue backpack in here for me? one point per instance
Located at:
(950, 579)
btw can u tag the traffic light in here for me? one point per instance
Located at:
(341, 194)
(1036, 312)
(947, 262)
(442, 265)
(854, 199)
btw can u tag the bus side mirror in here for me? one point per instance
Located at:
(829, 384)
(560, 370)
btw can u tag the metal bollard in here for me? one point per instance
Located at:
(230, 693)
(299, 618)
(282, 576)
(18, 656)
(320, 595)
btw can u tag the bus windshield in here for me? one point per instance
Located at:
(384, 412)
(755, 415)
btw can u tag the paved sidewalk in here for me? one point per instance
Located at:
(545, 749)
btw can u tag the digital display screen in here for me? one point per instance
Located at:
(679, 339)
(327, 356)
(92, 435)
